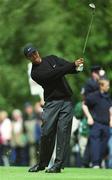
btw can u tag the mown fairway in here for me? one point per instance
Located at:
(20, 173)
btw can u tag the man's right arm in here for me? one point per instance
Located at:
(57, 72)
(87, 114)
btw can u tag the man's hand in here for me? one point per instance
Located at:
(90, 120)
(78, 62)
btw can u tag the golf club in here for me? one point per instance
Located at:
(91, 5)
(89, 29)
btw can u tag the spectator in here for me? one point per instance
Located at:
(38, 110)
(28, 111)
(30, 125)
(90, 87)
(99, 104)
(38, 113)
(5, 138)
(83, 129)
(19, 138)
(92, 83)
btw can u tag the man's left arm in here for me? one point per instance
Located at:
(63, 62)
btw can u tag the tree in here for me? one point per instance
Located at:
(55, 27)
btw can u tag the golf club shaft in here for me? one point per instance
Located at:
(87, 36)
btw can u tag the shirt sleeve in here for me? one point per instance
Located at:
(59, 71)
(62, 62)
(90, 100)
(87, 88)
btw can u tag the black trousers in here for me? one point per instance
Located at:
(87, 155)
(99, 136)
(57, 120)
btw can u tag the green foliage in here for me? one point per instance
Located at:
(56, 27)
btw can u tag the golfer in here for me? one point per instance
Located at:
(57, 117)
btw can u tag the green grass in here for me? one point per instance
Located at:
(20, 173)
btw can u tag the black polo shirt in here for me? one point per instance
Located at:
(99, 105)
(50, 75)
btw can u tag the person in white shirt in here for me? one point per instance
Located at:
(5, 138)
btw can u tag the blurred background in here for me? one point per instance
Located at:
(55, 27)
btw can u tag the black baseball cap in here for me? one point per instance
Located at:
(95, 68)
(28, 50)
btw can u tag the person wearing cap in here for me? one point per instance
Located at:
(100, 106)
(92, 83)
(57, 115)
(91, 86)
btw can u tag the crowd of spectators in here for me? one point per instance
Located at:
(20, 135)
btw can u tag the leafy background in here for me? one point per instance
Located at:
(56, 27)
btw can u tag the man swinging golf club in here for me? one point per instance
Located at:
(57, 117)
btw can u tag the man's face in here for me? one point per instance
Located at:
(95, 75)
(35, 57)
(105, 86)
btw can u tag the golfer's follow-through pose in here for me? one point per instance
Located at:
(57, 115)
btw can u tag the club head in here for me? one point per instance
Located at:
(91, 5)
